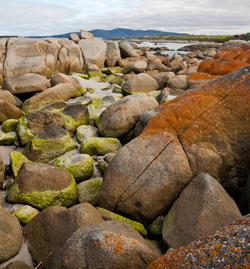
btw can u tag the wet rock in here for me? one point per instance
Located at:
(41, 185)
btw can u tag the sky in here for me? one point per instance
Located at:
(51, 17)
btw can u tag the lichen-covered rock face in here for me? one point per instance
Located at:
(1, 170)
(11, 235)
(80, 166)
(58, 93)
(25, 84)
(16, 161)
(105, 245)
(9, 125)
(206, 130)
(88, 191)
(25, 214)
(131, 107)
(108, 215)
(51, 228)
(202, 208)
(32, 123)
(74, 116)
(226, 248)
(113, 54)
(53, 141)
(85, 131)
(41, 56)
(100, 145)
(140, 83)
(9, 111)
(41, 185)
(6, 139)
(94, 51)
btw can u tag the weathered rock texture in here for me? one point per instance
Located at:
(41, 56)
(206, 130)
(202, 208)
(110, 244)
(227, 248)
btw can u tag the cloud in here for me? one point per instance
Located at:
(44, 17)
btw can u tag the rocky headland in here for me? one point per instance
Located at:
(115, 156)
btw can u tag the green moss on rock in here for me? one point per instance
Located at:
(88, 191)
(9, 125)
(108, 215)
(80, 166)
(24, 134)
(25, 214)
(44, 199)
(16, 160)
(100, 145)
(6, 139)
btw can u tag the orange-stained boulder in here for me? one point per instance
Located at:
(198, 79)
(205, 130)
(224, 66)
(245, 47)
(227, 248)
(245, 56)
(228, 53)
(205, 65)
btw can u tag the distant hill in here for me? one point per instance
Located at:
(117, 33)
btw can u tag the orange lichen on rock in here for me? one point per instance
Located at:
(201, 76)
(205, 65)
(245, 56)
(228, 53)
(227, 248)
(224, 66)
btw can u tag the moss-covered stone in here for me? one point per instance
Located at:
(53, 141)
(84, 131)
(24, 134)
(16, 160)
(114, 80)
(25, 214)
(102, 165)
(88, 191)
(9, 125)
(100, 145)
(44, 199)
(108, 215)
(74, 116)
(6, 139)
(155, 228)
(155, 93)
(92, 112)
(80, 166)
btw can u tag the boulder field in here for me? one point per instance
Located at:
(109, 150)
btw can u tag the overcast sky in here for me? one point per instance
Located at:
(47, 17)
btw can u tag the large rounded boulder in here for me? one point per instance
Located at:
(205, 130)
